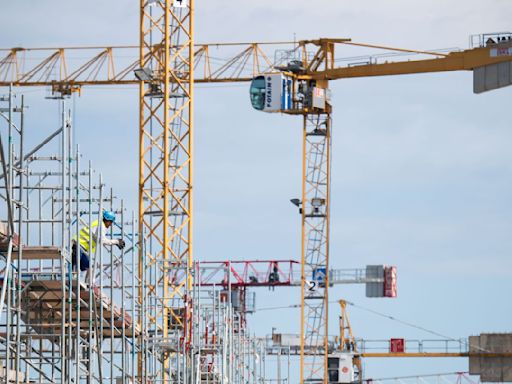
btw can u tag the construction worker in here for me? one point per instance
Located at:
(85, 233)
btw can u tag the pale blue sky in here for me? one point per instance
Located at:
(421, 174)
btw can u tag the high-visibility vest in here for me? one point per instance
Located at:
(85, 234)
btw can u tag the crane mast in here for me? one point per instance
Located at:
(165, 182)
(315, 215)
(315, 246)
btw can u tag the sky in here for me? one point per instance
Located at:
(421, 168)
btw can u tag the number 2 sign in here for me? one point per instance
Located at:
(311, 285)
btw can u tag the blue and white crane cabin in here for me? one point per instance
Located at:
(283, 92)
(272, 92)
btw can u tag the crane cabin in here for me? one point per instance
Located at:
(283, 92)
(271, 92)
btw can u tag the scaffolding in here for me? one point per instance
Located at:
(58, 325)
(224, 349)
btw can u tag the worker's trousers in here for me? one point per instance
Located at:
(84, 258)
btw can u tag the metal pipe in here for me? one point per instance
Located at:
(10, 153)
(53, 216)
(27, 204)
(20, 249)
(8, 325)
(63, 247)
(123, 309)
(8, 268)
(78, 280)
(6, 283)
(99, 252)
(90, 275)
(134, 315)
(111, 298)
(40, 213)
(8, 183)
(68, 203)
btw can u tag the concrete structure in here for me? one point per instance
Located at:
(491, 369)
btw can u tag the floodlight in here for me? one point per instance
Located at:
(317, 202)
(143, 74)
(295, 202)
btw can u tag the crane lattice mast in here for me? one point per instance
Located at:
(165, 182)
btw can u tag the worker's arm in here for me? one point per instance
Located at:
(104, 239)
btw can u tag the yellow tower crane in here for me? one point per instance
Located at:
(302, 87)
(166, 75)
(168, 65)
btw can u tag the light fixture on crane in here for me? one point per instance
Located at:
(147, 75)
(143, 74)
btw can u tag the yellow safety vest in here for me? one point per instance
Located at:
(85, 234)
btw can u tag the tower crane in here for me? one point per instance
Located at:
(168, 65)
(302, 88)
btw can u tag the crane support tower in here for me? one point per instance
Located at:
(165, 180)
(309, 98)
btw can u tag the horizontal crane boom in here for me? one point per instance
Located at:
(74, 67)
(455, 61)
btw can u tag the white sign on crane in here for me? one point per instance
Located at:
(179, 3)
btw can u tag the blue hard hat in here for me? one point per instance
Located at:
(109, 215)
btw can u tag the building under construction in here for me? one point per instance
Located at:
(149, 312)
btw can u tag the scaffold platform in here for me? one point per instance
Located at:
(44, 294)
(34, 252)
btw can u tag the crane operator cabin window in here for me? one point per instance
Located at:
(257, 92)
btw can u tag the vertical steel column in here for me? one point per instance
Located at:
(78, 279)
(133, 308)
(20, 244)
(112, 262)
(69, 204)
(165, 177)
(64, 259)
(90, 276)
(6, 285)
(123, 306)
(99, 255)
